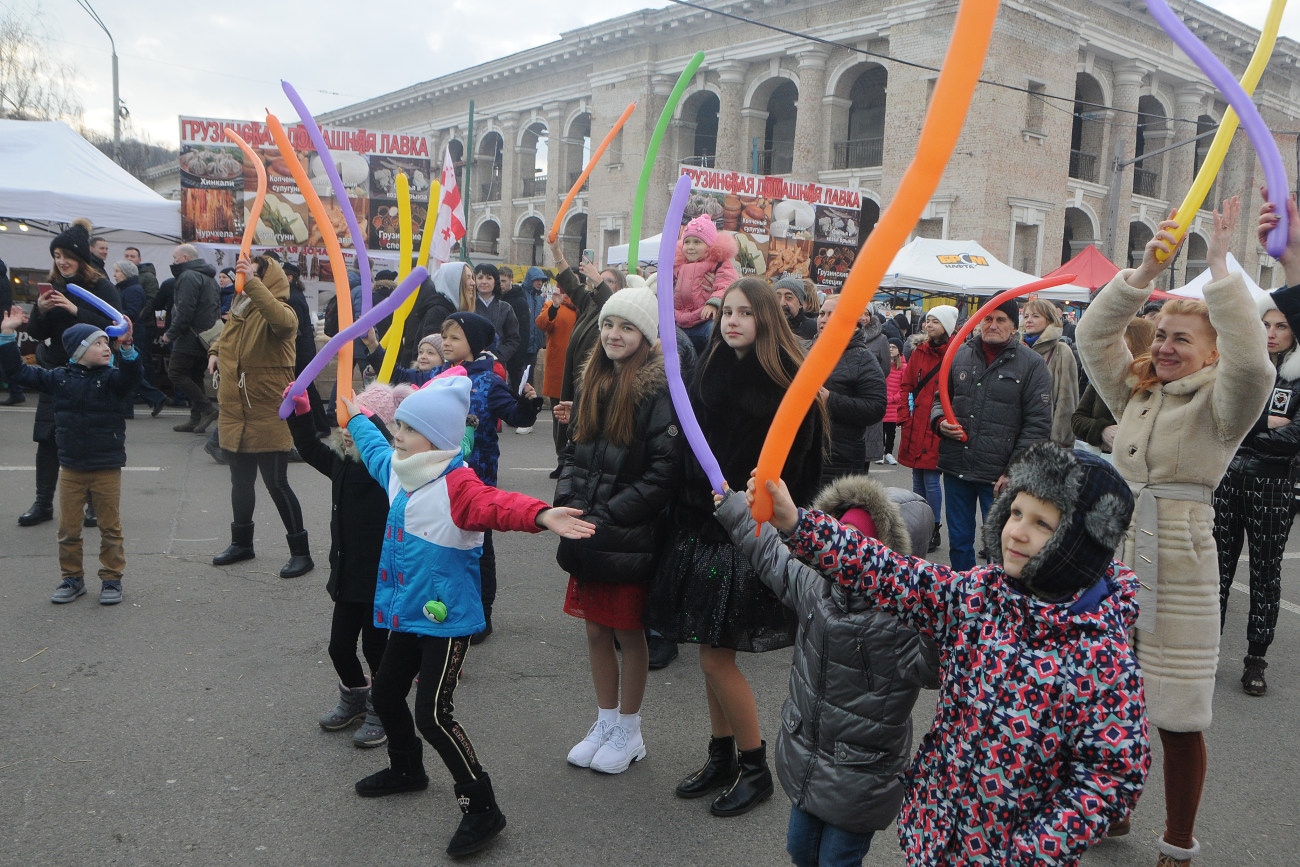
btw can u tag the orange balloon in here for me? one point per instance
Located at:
(342, 292)
(582, 178)
(246, 243)
(943, 123)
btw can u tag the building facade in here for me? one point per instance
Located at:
(1065, 145)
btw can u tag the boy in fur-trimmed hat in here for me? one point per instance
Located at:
(91, 397)
(1041, 741)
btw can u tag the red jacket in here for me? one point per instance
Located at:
(918, 448)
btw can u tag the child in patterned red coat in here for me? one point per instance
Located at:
(1041, 741)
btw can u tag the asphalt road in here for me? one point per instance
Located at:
(179, 728)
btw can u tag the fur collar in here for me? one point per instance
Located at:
(1289, 369)
(872, 329)
(849, 491)
(1193, 382)
(421, 468)
(1047, 340)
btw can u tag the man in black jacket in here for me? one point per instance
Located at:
(1001, 396)
(856, 399)
(195, 310)
(791, 293)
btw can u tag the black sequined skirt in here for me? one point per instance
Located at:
(708, 593)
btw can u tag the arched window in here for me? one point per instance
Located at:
(487, 167)
(864, 145)
(533, 172)
(777, 156)
(1152, 125)
(1088, 129)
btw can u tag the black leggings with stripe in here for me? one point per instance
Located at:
(437, 661)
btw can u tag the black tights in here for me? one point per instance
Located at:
(274, 466)
(350, 620)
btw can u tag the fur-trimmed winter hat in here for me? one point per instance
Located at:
(479, 330)
(947, 316)
(437, 411)
(77, 339)
(76, 240)
(1289, 366)
(637, 305)
(1096, 505)
(701, 227)
(795, 285)
(903, 520)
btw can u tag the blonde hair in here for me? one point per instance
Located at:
(1143, 367)
(1043, 308)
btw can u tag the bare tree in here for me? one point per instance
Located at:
(33, 84)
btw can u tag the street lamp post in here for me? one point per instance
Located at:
(117, 102)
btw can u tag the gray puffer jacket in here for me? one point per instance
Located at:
(846, 734)
(1004, 407)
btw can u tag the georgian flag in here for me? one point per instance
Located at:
(450, 226)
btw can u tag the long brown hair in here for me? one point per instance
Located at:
(1143, 367)
(773, 338)
(86, 277)
(610, 395)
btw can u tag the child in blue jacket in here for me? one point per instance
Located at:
(427, 592)
(90, 401)
(1041, 739)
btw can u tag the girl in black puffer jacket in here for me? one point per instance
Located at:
(621, 468)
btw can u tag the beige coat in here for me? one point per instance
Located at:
(1065, 382)
(1183, 431)
(255, 356)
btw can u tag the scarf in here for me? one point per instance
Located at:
(423, 467)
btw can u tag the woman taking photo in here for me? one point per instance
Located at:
(1183, 408)
(1040, 324)
(624, 455)
(253, 359)
(706, 592)
(918, 449)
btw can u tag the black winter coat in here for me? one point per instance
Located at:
(1270, 451)
(803, 326)
(304, 343)
(624, 490)
(89, 406)
(133, 300)
(1004, 407)
(196, 308)
(587, 301)
(358, 512)
(858, 399)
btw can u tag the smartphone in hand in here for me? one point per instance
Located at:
(589, 257)
(45, 288)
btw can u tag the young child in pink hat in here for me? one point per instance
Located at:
(702, 271)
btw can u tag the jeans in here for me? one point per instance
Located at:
(813, 843)
(962, 496)
(104, 489)
(926, 484)
(699, 335)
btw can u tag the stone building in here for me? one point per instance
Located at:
(1070, 152)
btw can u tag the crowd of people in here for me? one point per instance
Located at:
(1117, 469)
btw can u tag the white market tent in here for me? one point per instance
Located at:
(50, 175)
(961, 268)
(1195, 288)
(648, 252)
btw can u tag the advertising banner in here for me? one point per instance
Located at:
(782, 227)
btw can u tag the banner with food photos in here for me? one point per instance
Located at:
(218, 185)
(782, 227)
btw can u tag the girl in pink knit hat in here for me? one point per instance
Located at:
(702, 271)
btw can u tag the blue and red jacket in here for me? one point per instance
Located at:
(1040, 741)
(490, 400)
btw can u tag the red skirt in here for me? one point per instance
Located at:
(617, 606)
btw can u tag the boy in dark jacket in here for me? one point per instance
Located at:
(1040, 742)
(857, 671)
(90, 398)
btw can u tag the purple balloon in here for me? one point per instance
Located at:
(340, 192)
(119, 326)
(364, 323)
(1244, 106)
(668, 338)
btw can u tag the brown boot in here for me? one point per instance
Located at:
(1252, 675)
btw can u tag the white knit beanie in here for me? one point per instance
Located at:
(947, 316)
(637, 305)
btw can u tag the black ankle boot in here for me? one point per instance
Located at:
(405, 773)
(719, 770)
(39, 513)
(753, 785)
(481, 818)
(300, 562)
(935, 540)
(241, 546)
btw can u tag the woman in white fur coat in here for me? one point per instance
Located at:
(1183, 409)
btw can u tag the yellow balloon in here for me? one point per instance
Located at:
(392, 341)
(1227, 128)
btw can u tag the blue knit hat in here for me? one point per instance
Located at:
(77, 339)
(438, 410)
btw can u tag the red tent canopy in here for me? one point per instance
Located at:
(1090, 268)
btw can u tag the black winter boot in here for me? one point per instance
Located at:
(404, 774)
(43, 509)
(753, 785)
(719, 770)
(934, 539)
(482, 819)
(241, 546)
(300, 562)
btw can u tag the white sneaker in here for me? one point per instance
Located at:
(890, 459)
(524, 430)
(880, 462)
(619, 751)
(581, 755)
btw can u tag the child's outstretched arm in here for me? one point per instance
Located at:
(374, 450)
(477, 507)
(1111, 755)
(790, 580)
(515, 410)
(11, 361)
(926, 596)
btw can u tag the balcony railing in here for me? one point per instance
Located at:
(492, 191)
(704, 161)
(1083, 166)
(1145, 182)
(573, 179)
(775, 162)
(859, 153)
(534, 186)
(488, 248)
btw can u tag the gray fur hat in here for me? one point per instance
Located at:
(904, 521)
(1096, 505)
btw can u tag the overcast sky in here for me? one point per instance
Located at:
(226, 59)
